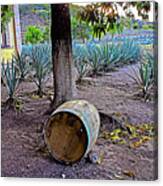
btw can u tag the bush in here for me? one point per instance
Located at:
(33, 35)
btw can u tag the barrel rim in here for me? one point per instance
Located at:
(48, 145)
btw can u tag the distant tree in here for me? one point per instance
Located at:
(6, 15)
(80, 30)
(143, 8)
(102, 17)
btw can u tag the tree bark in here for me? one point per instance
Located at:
(63, 67)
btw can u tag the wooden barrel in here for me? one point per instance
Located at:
(72, 130)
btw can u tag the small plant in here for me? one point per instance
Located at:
(10, 76)
(41, 65)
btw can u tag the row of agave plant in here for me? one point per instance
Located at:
(104, 56)
(31, 63)
(35, 63)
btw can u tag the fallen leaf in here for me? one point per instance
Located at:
(35, 97)
(119, 177)
(146, 138)
(136, 144)
(129, 173)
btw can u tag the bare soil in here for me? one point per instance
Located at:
(23, 150)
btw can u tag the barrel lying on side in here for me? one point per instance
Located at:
(72, 130)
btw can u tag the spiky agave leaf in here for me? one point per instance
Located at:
(144, 76)
(22, 62)
(41, 65)
(80, 59)
(10, 74)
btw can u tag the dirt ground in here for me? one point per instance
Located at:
(23, 151)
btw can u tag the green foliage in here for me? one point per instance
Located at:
(143, 9)
(44, 13)
(101, 16)
(41, 65)
(80, 30)
(10, 76)
(33, 35)
(6, 15)
(126, 22)
(46, 34)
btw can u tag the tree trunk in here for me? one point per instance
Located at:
(64, 82)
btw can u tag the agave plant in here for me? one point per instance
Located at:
(144, 77)
(10, 76)
(111, 54)
(104, 56)
(152, 60)
(145, 72)
(22, 62)
(81, 67)
(41, 65)
(27, 50)
(80, 60)
(130, 51)
(94, 57)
